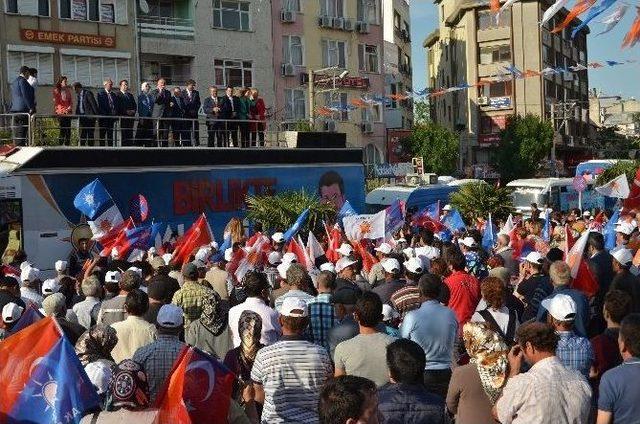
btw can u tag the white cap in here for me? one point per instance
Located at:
(401, 240)
(625, 228)
(468, 241)
(214, 245)
(228, 254)
(202, 254)
(345, 249)
(586, 214)
(414, 265)
(429, 252)
(61, 266)
(199, 264)
(50, 286)
(170, 316)
(152, 251)
(282, 269)
(136, 270)
(623, 256)
(447, 207)
(289, 258)
(343, 263)
(99, 373)
(293, 307)
(29, 273)
(167, 258)
(388, 313)
(278, 237)
(114, 253)
(274, 258)
(11, 312)
(25, 264)
(112, 277)
(561, 307)
(328, 266)
(534, 258)
(384, 248)
(391, 265)
(409, 252)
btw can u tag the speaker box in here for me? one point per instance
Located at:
(321, 140)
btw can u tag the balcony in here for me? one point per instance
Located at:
(166, 27)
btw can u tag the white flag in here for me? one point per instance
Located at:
(358, 227)
(574, 257)
(105, 222)
(552, 10)
(314, 247)
(508, 226)
(618, 187)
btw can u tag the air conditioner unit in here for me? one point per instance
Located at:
(348, 24)
(362, 27)
(288, 16)
(567, 76)
(288, 69)
(338, 23)
(483, 100)
(325, 21)
(367, 127)
(330, 126)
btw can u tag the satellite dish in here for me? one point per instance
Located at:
(144, 6)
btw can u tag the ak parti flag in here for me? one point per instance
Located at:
(198, 235)
(31, 315)
(198, 390)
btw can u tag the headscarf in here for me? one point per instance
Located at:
(487, 350)
(96, 343)
(250, 329)
(213, 317)
(128, 388)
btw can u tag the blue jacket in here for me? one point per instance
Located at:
(409, 404)
(581, 322)
(145, 105)
(104, 108)
(22, 96)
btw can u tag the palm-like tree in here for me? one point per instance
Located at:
(479, 199)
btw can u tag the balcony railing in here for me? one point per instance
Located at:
(165, 26)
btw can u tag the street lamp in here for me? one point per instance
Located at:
(311, 88)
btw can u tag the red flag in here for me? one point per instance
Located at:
(568, 240)
(632, 38)
(580, 7)
(295, 248)
(198, 390)
(429, 223)
(197, 236)
(334, 238)
(585, 281)
(11, 271)
(633, 201)
(115, 237)
(368, 260)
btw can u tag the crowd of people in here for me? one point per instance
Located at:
(150, 119)
(435, 328)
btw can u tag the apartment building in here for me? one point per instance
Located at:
(472, 44)
(397, 62)
(327, 38)
(614, 112)
(86, 40)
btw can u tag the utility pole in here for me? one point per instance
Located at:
(312, 100)
(560, 111)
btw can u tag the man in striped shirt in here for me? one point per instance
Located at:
(288, 374)
(408, 298)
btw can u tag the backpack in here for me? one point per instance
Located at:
(509, 337)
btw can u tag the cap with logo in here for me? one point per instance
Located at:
(289, 258)
(561, 306)
(29, 273)
(274, 258)
(413, 265)
(294, 307)
(170, 316)
(468, 241)
(328, 266)
(112, 277)
(50, 286)
(534, 258)
(11, 312)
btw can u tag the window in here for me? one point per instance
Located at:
(232, 15)
(492, 124)
(393, 90)
(368, 60)
(92, 71)
(368, 11)
(291, 5)
(43, 62)
(396, 20)
(372, 157)
(493, 54)
(487, 20)
(174, 72)
(334, 53)
(28, 7)
(295, 104)
(235, 73)
(292, 51)
(497, 89)
(333, 8)
(337, 100)
(372, 113)
(107, 11)
(406, 27)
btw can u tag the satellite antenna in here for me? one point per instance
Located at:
(144, 6)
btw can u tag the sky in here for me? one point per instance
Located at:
(621, 80)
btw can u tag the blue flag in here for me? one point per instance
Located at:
(546, 230)
(91, 198)
(394, 218)
(453, 221)
(224, 246)
(30, 316)
(432, 212)
(293, 230)
(593, 13)
(609, 230)
(488, 236)
(345, 210)
(143, 238)
(59, 390)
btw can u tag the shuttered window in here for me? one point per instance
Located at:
(92, 71)
(107, 11)
(43, 62)
(28, 7)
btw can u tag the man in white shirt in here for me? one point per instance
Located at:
(134, 332)
(256, 287)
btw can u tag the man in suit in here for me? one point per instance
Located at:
(161, 109)
(600, 263)
(178, 130)
(22, 102)
(108, 105)
(127, 104)
(229, 109)
(191, 99)
(144, 131)
(85, 106)
(211, 108)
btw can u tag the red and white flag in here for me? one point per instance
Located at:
(618, 187)
(314, 247)
(104, 223)
(116, 238)
(508, 226)
(583, 279)
(197, 236)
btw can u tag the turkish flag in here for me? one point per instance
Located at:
(334, 240)
(633, 201)
(116, 237)
(295, 248)
(197, 236)
(367, 258)
(585, 280)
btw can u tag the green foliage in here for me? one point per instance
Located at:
(479, 199)
(279, 211)
(437, 145)
(421, 112)
(627, 167)
(525, 141)
(612, 145)
(46, 132)
(303, 126)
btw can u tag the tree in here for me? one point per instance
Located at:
(525, 141)
(479, 199)
(627, 167)
(437, 145)
(421, 112)
(279, 211)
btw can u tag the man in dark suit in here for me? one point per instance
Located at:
(178, 130)
(600, 263)
(23, 101)
(86, 108)
(211, 108)
(127, 104)
(191, 99)
(229, 109)
(161, 109)
(108, 105)
(144, 131)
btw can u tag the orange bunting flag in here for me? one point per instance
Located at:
(531, 73)
(633, 36)
(595, 65)
(495, 5)
(358, 103)
(579, 8)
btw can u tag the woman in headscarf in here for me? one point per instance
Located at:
(96, 344)
(240, 360)
(210, 333)
(475, 387)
